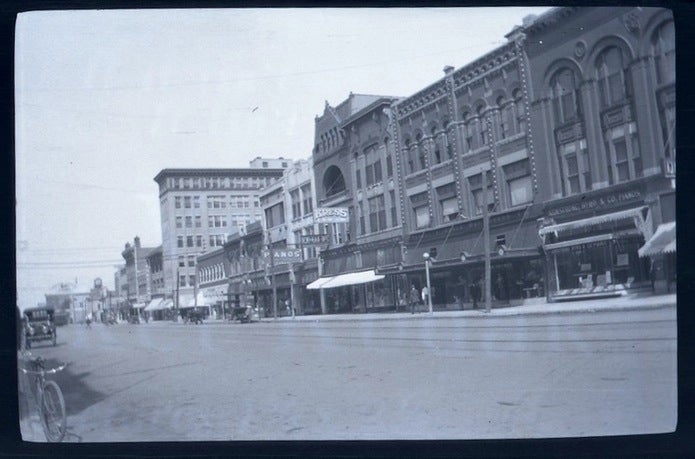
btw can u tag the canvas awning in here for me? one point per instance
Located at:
(154, 304)
(166, 304)
(663, 241)
(353, 279)
(575, 242)
(189, 301)
(318, 283)
(139, 305)
(593, 221)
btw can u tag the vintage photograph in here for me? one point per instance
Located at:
(345, 223)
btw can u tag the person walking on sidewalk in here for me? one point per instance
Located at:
(413, 299)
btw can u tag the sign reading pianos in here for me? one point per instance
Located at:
(284, 256)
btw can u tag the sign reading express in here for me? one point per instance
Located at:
(331, 215)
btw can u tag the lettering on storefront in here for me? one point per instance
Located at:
(599, 203)
(331, 215)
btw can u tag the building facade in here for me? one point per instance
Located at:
(603, 123)
(138, 280)
(199, 209)
(213, 272)
(566, 134)
(355, 170)
(288, 206)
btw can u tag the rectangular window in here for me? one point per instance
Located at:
(189, 241)
(394, 215)
(389, 166)
(520, 190)
(179, 222)
(422, 217)
(198, 221)
(196, 202)
(182, 280)
(377, 171)
(636, 157)
(296, 204)
(179, 241)
(191, 261)
(187, 202)
(360, 209)
(450, 209)
(377, 214)
(622, 166)
(358, 178)
(189, 222)
(199, 241)
(476, 185)
(182, 262)
(191, 280)
(306, 194)
(177, 202)
(369, 174)
(572, 174)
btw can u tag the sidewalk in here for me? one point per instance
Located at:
(624, 303)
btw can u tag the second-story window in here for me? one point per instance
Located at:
(476, 185)
(377, 213)
(519, 183)
(306, 199)
(296, 204)
(421, 210)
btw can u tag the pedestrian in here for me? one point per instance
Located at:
(413, 299)
(652, 276)
(88, 320)
(425, 296)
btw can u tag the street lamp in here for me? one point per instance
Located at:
(426, 256)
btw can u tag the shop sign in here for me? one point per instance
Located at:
(598, 203)
(281, 256)
(331, 215)
(314, 239)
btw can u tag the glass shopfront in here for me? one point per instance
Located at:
(613, 261)
(366, 297)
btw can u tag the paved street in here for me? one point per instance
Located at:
(585, 374)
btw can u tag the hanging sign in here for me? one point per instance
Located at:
(314, 239)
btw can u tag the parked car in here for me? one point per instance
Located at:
(39, 326)
(245, 314)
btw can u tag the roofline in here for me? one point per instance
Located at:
(383, 100)
(221, 172)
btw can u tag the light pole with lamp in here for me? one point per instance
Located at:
(426, 256)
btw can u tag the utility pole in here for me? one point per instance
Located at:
(486, 244)
(272, 279)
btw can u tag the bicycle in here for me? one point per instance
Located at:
(49, 398)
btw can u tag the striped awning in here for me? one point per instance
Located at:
(663, 241)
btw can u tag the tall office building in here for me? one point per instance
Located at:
(199, 208)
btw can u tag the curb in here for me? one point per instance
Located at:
(505, 312)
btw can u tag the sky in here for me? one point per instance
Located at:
(106, 99)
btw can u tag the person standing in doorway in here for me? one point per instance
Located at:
(413, 298)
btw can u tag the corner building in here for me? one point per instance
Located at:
(603, 126)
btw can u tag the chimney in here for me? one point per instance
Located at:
(448, 69)
(528, 20)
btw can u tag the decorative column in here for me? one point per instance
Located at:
(525, 88)
(455, 140)
(593, 133)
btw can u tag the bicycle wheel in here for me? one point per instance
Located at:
(52, 409)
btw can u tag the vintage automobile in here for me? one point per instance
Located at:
(39, 326)
(245, 314)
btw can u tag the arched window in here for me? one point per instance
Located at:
(467, 131)
(409, 155)
(503, 118)
(437, 153)
(446, 145)
(664, 49)
(333, 181)
(563, 88)
(517, 112)
(611, 77)
(481, 127)
(421, 152)
(389, 159)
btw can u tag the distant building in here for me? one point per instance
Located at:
(137, 274)
(199, 208)
(69, 301)
(212, 271)
(270, 163)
